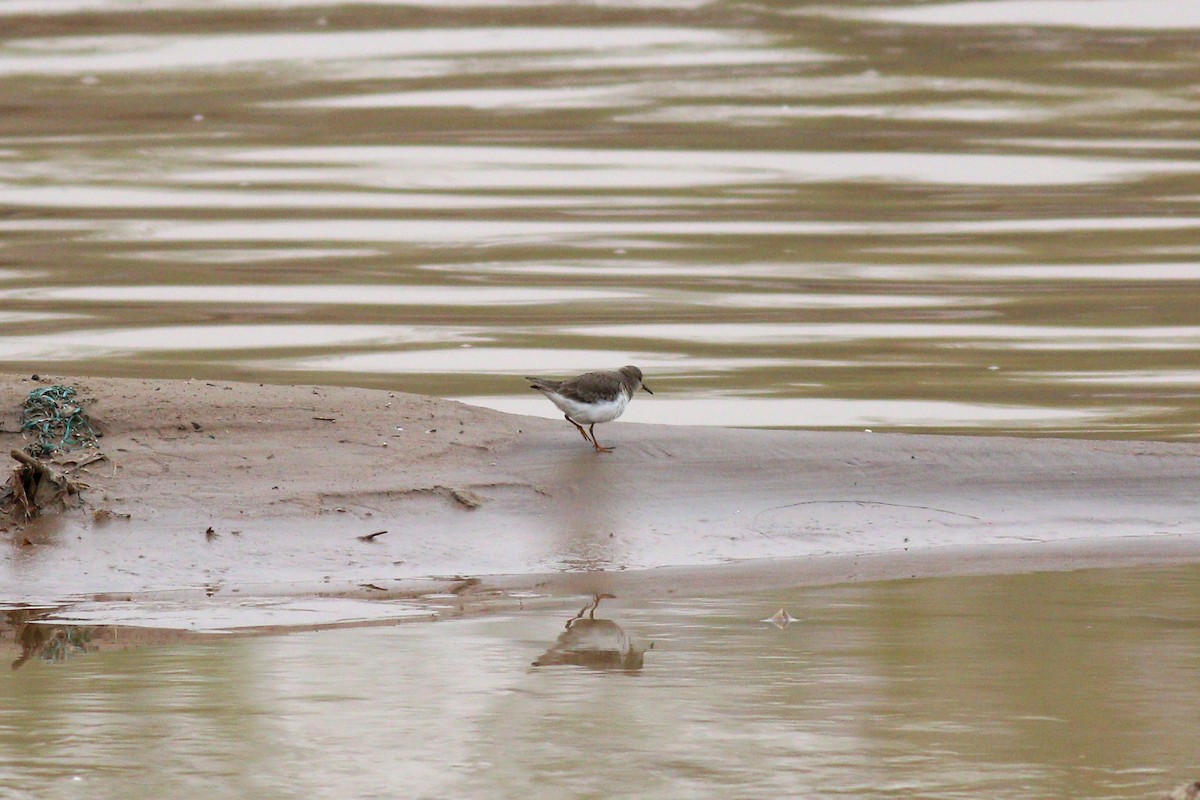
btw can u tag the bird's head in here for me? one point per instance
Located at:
(633, 376)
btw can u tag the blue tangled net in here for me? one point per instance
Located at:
(57, 419)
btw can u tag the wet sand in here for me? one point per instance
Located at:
(475, 502)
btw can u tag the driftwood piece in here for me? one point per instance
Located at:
(35, 486)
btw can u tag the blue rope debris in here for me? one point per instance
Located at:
(58, 420)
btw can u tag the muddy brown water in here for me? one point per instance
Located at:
(1072, 685)
(978, 217)
(971, 217)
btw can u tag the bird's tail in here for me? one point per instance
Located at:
(542, 384)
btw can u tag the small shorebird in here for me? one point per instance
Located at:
(592, 398)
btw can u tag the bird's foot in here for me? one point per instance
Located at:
(596, 444)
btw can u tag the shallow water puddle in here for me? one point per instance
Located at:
(1050, 685)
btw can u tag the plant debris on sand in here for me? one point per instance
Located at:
(37, 483)
(34, 486)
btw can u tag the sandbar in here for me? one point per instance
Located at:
(219, 494)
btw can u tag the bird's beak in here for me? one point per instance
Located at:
(646, 389)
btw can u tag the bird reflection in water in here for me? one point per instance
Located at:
(593, 643)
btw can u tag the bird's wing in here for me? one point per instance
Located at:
(588, 386)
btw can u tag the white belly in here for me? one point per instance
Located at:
(590, 414)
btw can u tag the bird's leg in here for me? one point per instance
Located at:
(591, 609)
(578, 616)
(599, 447)
(579, 428)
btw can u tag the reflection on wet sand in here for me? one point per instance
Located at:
(594, 643)
(587, 519)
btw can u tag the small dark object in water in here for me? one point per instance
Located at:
(780, 619)
(370, 537)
